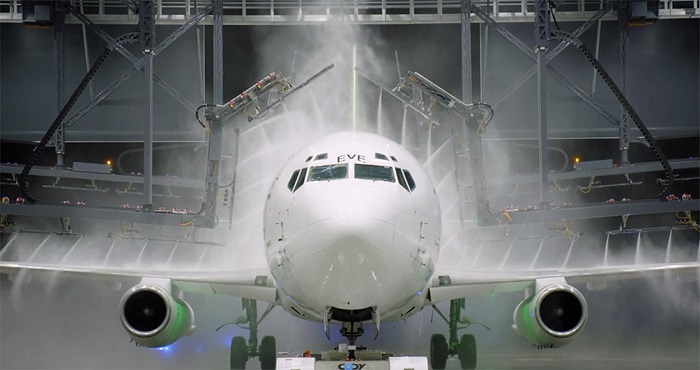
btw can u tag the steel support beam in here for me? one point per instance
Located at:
(552, 54)
(623, 20)
(147, 38)
(541, 46)
(182, 29)
(472, 123)
(174, 93)
(268, 12)
(466, 51)
(604, 210)
(59, 16)
(217, 31)
(148, 133)
(97, 99)
(465, 24)
(642, 167)
(54, 172)
(137, 63)
(95, 213)
(104, 35)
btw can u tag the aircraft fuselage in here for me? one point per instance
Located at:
(352, 226)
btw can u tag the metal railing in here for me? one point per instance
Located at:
(350, 11)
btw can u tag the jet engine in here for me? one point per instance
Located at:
(153, 317)
(552, 317)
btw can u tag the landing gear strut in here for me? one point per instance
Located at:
(465, 348)
(240, 351)
(351, 330)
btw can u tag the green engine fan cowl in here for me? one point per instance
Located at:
(552, 317)
(153, 317)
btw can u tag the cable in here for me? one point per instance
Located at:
(552, 8)
(560, 35)
(686, 218)
(587, 189)
(196, 113)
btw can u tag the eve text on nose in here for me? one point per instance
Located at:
(350, 157)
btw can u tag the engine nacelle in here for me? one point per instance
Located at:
(153, 317)
(552, 317)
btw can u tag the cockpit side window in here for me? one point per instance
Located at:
(405, 179)
(300, 180)
(329, 172)
(402, 179)
(293, 180)
(375, 173)
(409, 180)
(297, 180)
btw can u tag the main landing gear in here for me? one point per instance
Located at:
(240, 351)
(465, 348)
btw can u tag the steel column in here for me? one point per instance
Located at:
(466, 51)
(218, 15)
(148, 133)
(147, 38)
(58, 41)
(472, 123)
(623, 19)
(467, 97)
(541, 45)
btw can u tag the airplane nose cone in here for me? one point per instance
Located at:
(350, 232)
(353, 213)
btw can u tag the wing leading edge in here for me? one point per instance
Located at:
(455, 284)
(250, 283)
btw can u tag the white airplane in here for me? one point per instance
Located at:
(352, 228)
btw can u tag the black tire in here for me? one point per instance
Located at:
(239, 353)
(268, 353)
(467, 352)
(438, 352)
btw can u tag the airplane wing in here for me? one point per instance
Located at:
(454, 284)
(251, 283)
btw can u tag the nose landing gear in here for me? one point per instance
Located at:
(240, 351)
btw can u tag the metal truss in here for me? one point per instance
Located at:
(598, 210)
(251, 12)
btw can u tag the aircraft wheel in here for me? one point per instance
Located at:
(467, 352)
(268, 353)
(239, 353)
(438, 352)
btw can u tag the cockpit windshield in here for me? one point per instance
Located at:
(372, 172)
(329, 172)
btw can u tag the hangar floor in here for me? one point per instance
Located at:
(73, 324)
(679, 358)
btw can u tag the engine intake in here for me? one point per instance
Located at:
(153, 317)
(552, 317)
